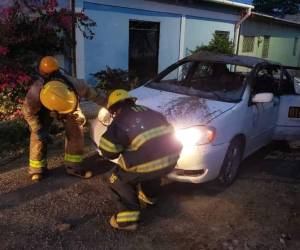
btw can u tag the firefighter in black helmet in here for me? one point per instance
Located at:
(147, 149)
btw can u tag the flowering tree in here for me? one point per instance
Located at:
(29, 30)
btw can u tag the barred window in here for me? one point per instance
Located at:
(295, 46)
(266, 45)
(224, 34)
(248, 44)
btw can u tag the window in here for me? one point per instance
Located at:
(266, 45)
(295, 46)
(248, 44)
(223, 34)
(143, 49)
(267, 79)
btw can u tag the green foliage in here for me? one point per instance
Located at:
(111, 79)
(29, 30)
(219, 44)
(13, 134)
(277, 7)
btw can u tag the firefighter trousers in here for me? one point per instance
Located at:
(124, 190)
(74, 144)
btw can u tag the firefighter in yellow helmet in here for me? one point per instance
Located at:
(146, 148)
(56, 95)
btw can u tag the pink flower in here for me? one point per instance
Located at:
(23, 78)
(66, 22)
(3, 51)
(4, 86)
(13, 85)
(50, 7)
(6, 13)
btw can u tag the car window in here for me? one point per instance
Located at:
(267, 79)
(217, 81)
(289, 76)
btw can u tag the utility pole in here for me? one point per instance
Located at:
(73, 37)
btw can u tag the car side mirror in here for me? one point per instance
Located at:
(297, 85)
(262, 97)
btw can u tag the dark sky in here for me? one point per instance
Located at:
(64, 2)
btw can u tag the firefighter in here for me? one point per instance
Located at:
(146, 148)
(56, 95)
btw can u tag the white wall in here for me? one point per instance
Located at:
(111, 43)
(181, 29)
(200, 31)
(281, 45)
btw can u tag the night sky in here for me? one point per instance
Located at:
(63, 2)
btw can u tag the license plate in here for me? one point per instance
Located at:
(294, 112)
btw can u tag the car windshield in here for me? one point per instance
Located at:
(218, 81)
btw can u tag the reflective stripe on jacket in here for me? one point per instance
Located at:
(142, 139)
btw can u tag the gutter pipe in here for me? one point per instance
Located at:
(237, 29)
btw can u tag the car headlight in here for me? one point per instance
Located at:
(104, 117)
(197, 135)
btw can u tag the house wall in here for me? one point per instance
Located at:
(199, 31)
(181, 29)
(281, 41)
(110, 46)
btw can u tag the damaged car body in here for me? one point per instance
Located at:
(223, 107)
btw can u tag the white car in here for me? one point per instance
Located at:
(224, 108)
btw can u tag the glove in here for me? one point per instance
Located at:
(78, 117)
(44, 136)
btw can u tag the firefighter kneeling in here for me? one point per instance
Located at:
(147, 149)
(56, 95)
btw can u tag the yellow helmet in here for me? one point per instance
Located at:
(56, 96)
(48, 65)
(117, 96)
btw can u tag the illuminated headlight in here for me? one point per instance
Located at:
(197, 135)
(104, 117)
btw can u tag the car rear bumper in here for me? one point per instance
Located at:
(199, 164)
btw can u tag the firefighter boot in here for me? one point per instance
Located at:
(37, 175)
(85, 174)
(128, 227)
(143, 199)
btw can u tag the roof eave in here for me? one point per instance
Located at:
(232, 4)
(275, 18)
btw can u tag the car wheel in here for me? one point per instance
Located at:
(231, 162)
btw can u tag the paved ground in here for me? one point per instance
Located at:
(261, 210)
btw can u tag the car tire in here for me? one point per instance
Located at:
(231, 163)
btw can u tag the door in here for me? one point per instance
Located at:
(262, 116)
(143, 49)
(288, 122)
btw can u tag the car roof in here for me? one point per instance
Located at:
(247, 61)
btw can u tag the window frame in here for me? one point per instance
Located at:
(244, 48)
(295, 47)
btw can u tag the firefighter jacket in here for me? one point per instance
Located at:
(142, 139)
(32, 105)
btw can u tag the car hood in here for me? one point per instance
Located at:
(181, 110)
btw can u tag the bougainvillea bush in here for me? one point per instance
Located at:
(29, 30)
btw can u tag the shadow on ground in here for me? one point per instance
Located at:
(55, 180)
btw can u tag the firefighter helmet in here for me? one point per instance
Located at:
(118, 96)
(48, 65)
(56, 96)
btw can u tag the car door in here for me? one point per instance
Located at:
(288, 122)
(262, 116)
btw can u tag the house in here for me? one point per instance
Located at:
(271, 38)
(144, 37)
